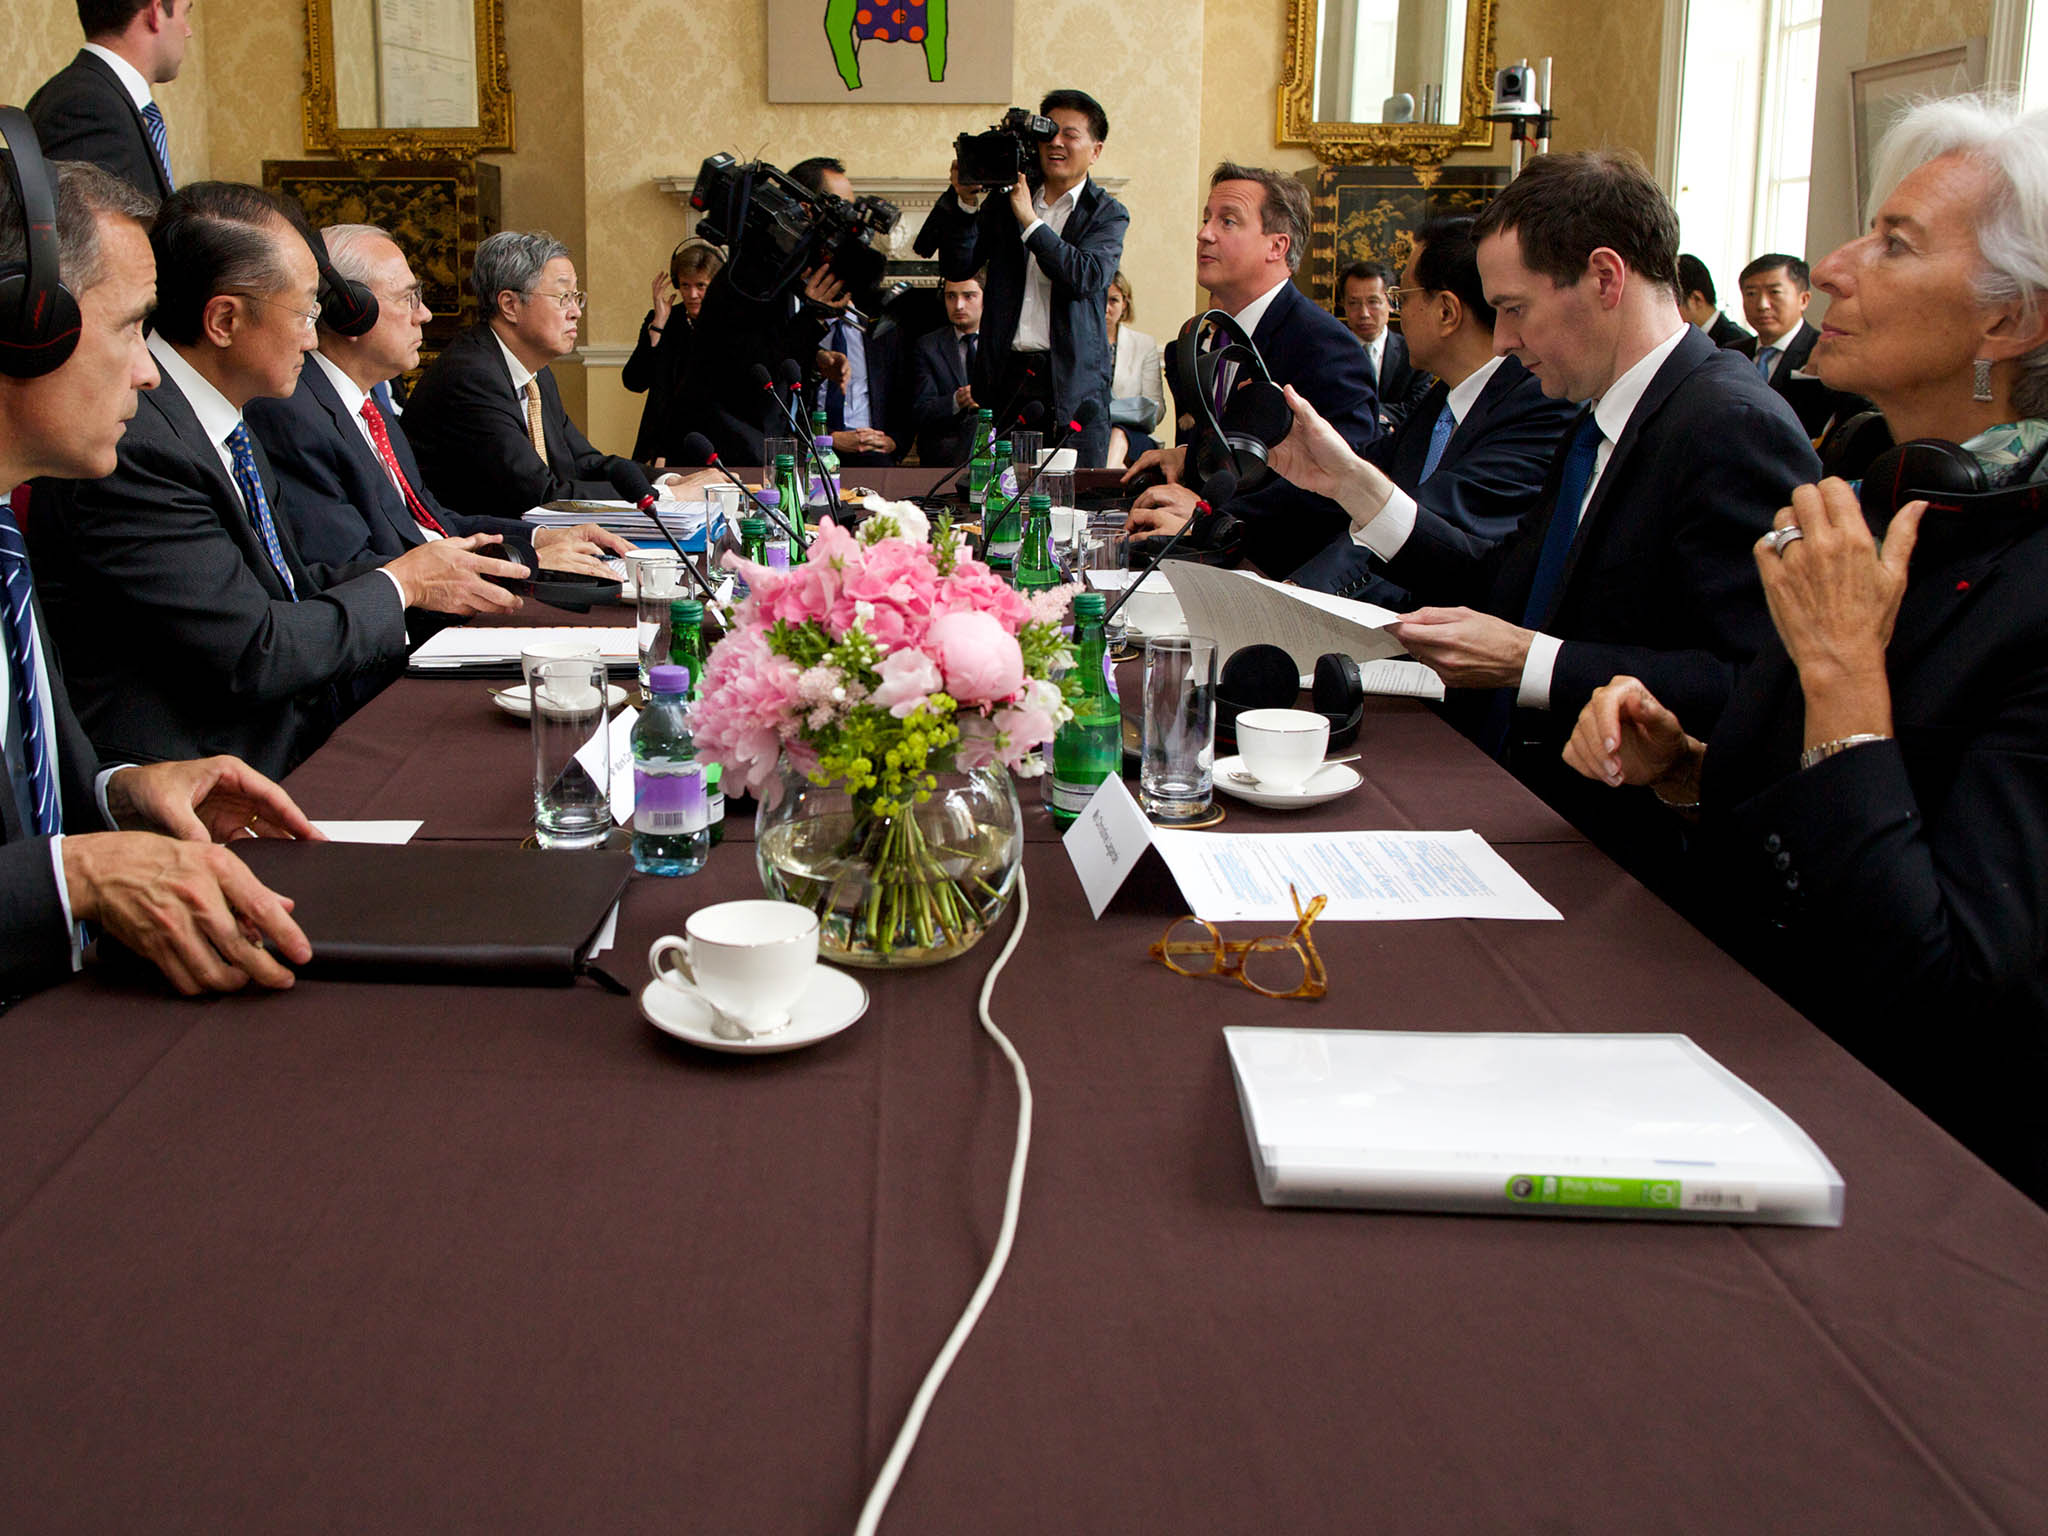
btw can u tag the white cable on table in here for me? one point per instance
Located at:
(906, 1437)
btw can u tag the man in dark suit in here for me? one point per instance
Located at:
(1049, 254)
(1698, 303)
(942, 397)
(1638, 556)
(351, 486)
(187, 619)
(1365, 301)
(99, 108)
(81, 843)
(1776, 288)
(1254, 231)
(486, 419)
(1478, 449)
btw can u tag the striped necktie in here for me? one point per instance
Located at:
(251, 486)
(1439, 439)
(159, 140)
(39, 765)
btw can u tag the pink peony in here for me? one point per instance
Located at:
(1029, 723)
(978, 656)
(974, 588)
(750, 698)
(888, 588)
(907, 676)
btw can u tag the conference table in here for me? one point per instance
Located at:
(468, 1259)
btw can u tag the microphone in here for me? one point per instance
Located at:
(1025, 378)
(698, 446)
(1032, 413)
(1216, 528)
(631, 482)
(1083, 414)
(793, 376)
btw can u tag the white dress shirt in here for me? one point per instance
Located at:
(1376, 353)
(1780, 347)
(352, 398)
(1250, 316)
(1034, 320)
(1388, 530)
(129, 76)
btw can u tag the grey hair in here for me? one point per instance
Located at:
(2012, 226)
(348, 248)
(512, 259)
(83, 193)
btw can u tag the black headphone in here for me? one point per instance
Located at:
(1253, 414)
(1928, 469)
(347, 307)
(38, 316)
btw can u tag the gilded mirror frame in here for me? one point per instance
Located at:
(322, 125)
(1416, 144)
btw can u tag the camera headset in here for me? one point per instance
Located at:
(1930, 469)
(1221, 386)
(39, 321)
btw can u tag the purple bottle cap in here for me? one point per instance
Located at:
(668, 678)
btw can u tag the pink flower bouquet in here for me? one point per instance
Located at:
(878, 663)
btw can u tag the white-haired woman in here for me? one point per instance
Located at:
(1874, 803)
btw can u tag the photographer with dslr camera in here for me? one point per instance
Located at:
(783, 288)
(1051, 245)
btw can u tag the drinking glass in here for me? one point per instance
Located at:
(571, 801)
(660, 583)
(1179, 754)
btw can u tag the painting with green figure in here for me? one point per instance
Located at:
(849, 23)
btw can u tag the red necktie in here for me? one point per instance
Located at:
(380, 439)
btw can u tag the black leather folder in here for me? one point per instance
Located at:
(438, 912)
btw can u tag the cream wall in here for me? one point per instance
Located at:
(42, 36)
(1913, 26)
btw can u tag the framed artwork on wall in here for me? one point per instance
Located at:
(855, 51)
(1879, 92)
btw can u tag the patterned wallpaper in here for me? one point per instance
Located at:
(1900, 27)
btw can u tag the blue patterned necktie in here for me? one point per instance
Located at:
(159, 140)
(1439, 439)
(251, 485)
(1764, 358)
(1565, 517)
(39, 768)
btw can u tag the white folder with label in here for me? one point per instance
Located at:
(1644, 1126)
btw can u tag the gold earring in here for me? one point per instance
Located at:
(1982, 380)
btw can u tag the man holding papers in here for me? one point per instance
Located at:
(1637, 556)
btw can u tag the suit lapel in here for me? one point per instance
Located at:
(170, 402)
(389, 502)
(113, 83)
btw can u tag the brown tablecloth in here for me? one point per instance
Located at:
(440, 1259)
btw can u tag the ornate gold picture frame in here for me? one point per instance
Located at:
(1416, 144)
(493, 129)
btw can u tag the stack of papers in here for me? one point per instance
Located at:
(683, 519)
(496, 650)
(1521, 1124)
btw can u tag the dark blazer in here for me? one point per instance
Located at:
(343, 508)
(888, 392)
(1080, 260)
(468, 429)
(35, 941)
(1661, 579)
(179, 639)
(656, 370)
(936, 377)
(1726, 333)
(1492, 470)
(717, 395)
(83, 112)
(1898, 892)
(1401, 385)
(1304, 345)
(1812, 401)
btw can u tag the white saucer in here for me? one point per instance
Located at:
(1326, 784)
(516, 700)
(831, 1003)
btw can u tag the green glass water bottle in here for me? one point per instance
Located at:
(789, 494)
(686, 649)
(1036, 567)
(979, 465)
(1089, 747)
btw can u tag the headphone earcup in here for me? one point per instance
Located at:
(33, 345)
(347, 307)
(1926, 467)
(1255, 416)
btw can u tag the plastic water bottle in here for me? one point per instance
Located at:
(671, 813)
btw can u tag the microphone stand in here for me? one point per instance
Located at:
(973, 448)
(765, 510)
(801, 431)
(710, 592)
(1201, 508)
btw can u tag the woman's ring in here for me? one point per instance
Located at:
(1778, 538)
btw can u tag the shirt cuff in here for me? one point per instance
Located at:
(99, 791)
(64, 900)
(1537, 667)
(1035, 224)
(1389, 528)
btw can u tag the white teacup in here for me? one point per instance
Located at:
(1282, 748)
(750, 960)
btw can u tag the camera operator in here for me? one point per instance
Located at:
(719, 394)
(860, 360)
(1051, 244)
